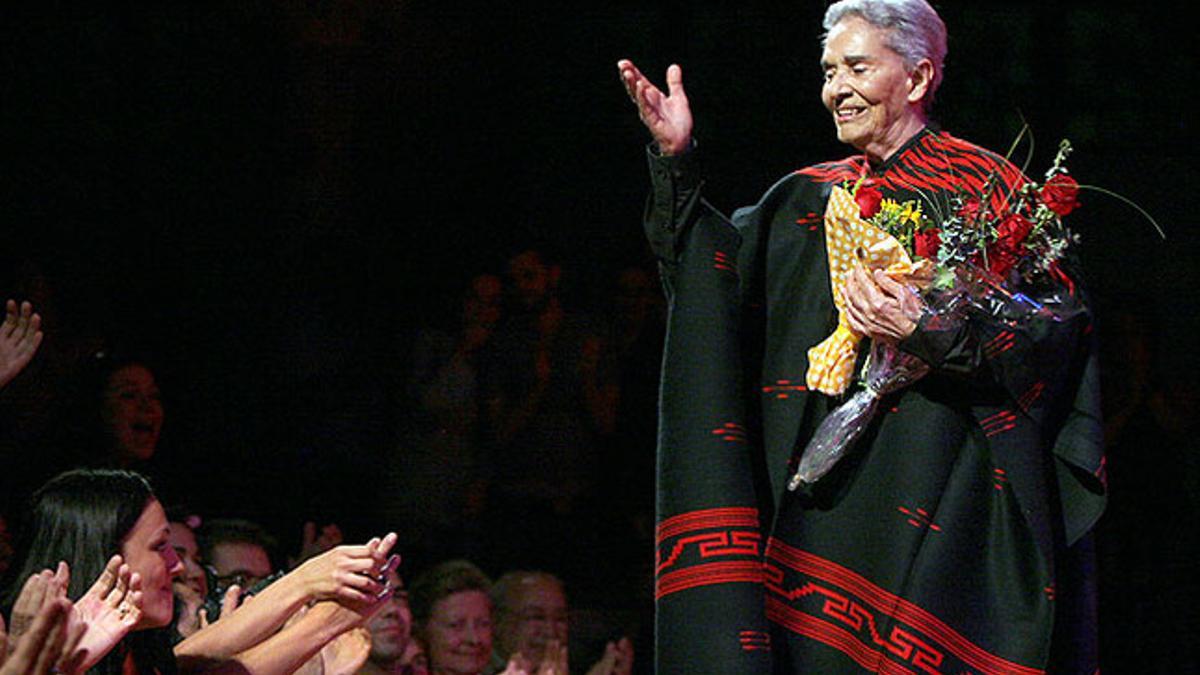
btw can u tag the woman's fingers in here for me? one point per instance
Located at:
(108, 578)
(120, 588)
(231, 600)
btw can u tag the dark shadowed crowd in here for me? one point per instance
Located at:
(523, 471)
(523, 477)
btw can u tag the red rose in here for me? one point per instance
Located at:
(1060, 194)
(970, 209)
(1006, 251)
(927, 242)
(868, 198)
(1012, 231)
(1001, 260)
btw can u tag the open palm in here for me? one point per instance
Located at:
(667, 116)
(109, 610)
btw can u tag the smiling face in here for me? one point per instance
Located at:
(876, 99)
(183, 540)
(391, 627)
(148, 552)
(459, 633)
(239, 562)
(132, 412)
(536, 614)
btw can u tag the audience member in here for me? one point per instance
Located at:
(238, 552)
(548, 397)
(453, 616)
(438, 475)
(115, 417)
(391, 635)
(87, 516)
(531, 615)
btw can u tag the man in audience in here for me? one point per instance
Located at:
(238, 551)
(532, 619)
(547, 400)
(391, 635)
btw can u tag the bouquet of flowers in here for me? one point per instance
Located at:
(972, 261)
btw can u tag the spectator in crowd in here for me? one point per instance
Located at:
(86, 515)
(453, 616)
(532, 617)
(238, 551)
(548, 397)
(391, 635)
(438, 475)
(115, 418)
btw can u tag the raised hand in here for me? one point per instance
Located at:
(109, 609)
(45, 637)
(349, 574)
(517, 665)
(617, 659)
(668, 117)
(20, 335)
(554, 659)
(29, 602)
(49, 643)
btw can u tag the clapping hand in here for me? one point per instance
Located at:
(45, 637)
(109, 609)
(617, 659)
(42, 646)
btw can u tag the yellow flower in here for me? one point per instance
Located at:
(912, 211)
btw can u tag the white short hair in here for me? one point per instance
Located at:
(915, 31)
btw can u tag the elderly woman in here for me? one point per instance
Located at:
(943, 540)
(452, 613)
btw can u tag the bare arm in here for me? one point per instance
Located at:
(285, 651)
(346, 574)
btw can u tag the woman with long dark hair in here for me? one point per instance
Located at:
(85, 517)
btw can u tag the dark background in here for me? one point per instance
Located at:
(269, 196)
